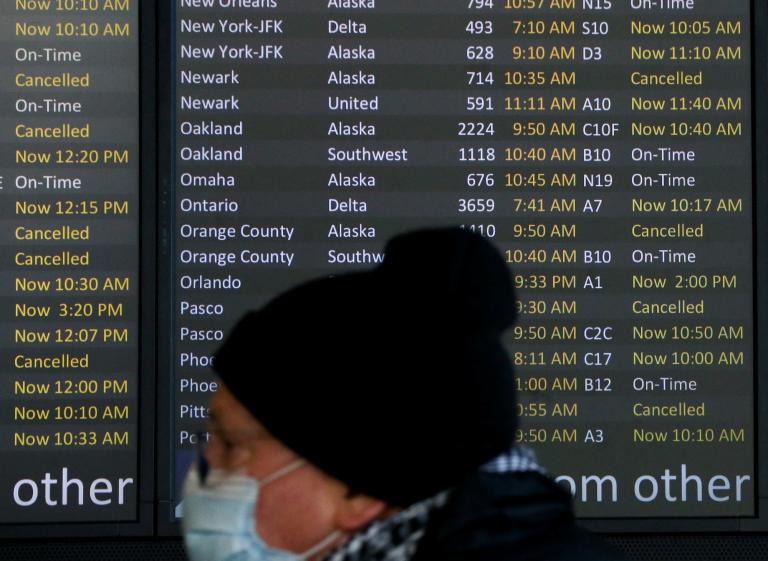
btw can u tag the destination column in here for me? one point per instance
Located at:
(228, 239)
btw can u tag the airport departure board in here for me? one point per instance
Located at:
(603, 146)
(69, 188)
(166, 165)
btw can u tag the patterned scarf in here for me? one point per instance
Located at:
(397, 538)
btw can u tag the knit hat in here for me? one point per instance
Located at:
(392, 380)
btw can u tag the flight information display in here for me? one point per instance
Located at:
(604, 146)
(69, 188)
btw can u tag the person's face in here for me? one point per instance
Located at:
(294, 512)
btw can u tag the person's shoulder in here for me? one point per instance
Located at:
(516, 516)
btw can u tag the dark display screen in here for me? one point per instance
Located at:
(69, 188)
(604, 147)
(167, 165)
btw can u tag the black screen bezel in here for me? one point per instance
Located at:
(156, 392)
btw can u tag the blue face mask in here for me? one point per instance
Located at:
(219, 522)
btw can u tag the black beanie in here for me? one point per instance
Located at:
(393, 380)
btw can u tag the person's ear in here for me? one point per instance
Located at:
(357, 510)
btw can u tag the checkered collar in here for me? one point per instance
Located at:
(397, 538)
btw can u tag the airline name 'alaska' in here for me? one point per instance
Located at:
(360, 78)
(340, 128)
(359, 231)
(340, 52)
(344, 180)
(352, 4)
